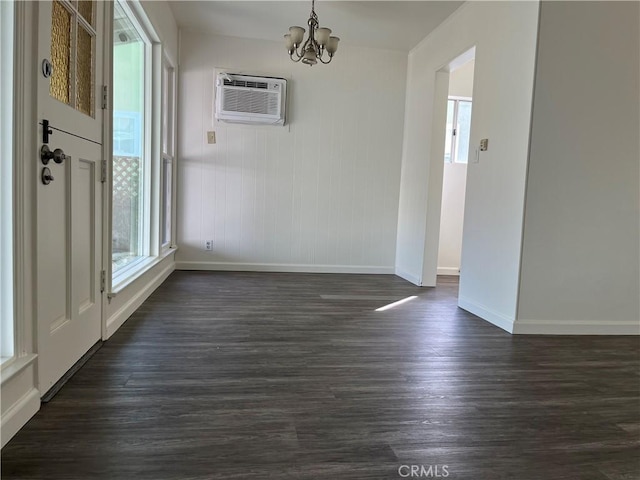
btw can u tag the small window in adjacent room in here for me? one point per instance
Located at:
(127, 141)
(458, 128)
(7, 331)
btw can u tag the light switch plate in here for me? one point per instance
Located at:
(211, 137)
(484, 144)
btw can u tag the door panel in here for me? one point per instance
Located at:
(53, 235)
(83, 234)
(69, 237)
(69, 233)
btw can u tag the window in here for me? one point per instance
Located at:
(456, 148)
(143, 137)
(168, 111)
(127, 140)
(72, 54)
(7, 336)
(131, 133)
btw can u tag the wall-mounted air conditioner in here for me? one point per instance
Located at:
(250, 100)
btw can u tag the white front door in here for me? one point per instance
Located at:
(69, 207)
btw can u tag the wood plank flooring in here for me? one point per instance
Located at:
(296, 376)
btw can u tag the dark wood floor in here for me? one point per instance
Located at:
(254, 376)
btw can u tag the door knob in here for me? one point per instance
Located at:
(46, 155)
(47, 178)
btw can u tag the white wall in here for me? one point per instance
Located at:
(461, 80)
(580, 260)
(454, 182)
(164, 24)
(504, 34)
(320, 194)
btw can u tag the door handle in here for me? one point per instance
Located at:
(46, 155)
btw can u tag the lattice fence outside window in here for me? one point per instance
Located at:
(127, 182)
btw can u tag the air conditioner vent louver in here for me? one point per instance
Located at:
(251, 100)
(244, 83)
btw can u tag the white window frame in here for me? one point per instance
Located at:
(152, 146)
(454, 134)
(7, 174)
(168, 152)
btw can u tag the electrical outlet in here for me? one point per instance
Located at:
(208, 245)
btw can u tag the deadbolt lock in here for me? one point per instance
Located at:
(46, 176)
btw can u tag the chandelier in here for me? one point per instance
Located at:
(317, 43)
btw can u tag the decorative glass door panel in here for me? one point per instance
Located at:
(73, 48)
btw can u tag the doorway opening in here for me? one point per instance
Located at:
(456, 158)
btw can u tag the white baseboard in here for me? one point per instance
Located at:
(19, 414)
(449, 271)
(498, 319)
(124, 312)
(20, 397)
(408, 277)
(576, 327)
(284, 268)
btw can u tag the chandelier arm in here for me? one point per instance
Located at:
(297, 53)
(295, 59)
(320, 55)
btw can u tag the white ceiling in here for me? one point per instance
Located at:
(395, 25)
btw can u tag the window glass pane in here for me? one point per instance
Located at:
(128, 207)
(166, 201)
(127, 141)
(60, 52)
(84, 71)
(165, 108)
(85, 7)
(463, 131)
(6, 180)
(449, 131)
